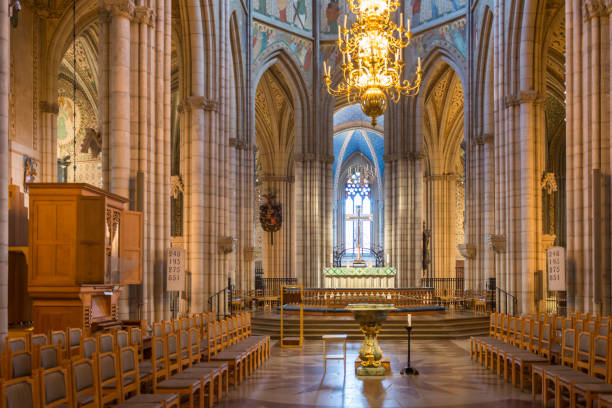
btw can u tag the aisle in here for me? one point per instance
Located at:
(293, 378)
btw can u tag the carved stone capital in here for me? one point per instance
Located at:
(252, 253)
(594, 9)
(389, 157)
(305, 157)
(496, 243)
(482, 139)
(49, 107)
(442, 177)
(531, 96)
(415, 156)
(198, 102)
(226, 244)
(511, 100)
(118, 8)
(144, 15)
(548, 240)
(238, 144)
(468, 251)
(273, 178)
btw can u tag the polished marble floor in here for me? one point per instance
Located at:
(448, 378)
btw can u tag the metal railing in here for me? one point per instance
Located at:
(508, 300)
(445, 286)
(222, 301)
(272, 286)
(340, 298)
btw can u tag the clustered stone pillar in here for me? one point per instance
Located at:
(278, 246)
(48, 130)
(4, 168)
(134, 55)
(588, 154)
(313, 214)
(441, 200)
(403, 214)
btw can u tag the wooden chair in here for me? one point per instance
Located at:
(15, 344)
(58, 337)
(19, 393)
(49, 356)
(159, 360)
(128, 371)
(584, 352)
(106, 343)
(185, 323)
(136, 341)
(176, 325)
(84, 384)
(194, 346)
(545, 349)
(121, 339)
(167, 324)
(601, 365)
(568, 348)
(526, 334)
(109, 382)
(89, 347)
(74, 342)
(492, 323)
(19, 364)
(54, 386)
(172, 353)
(536, 335)
(213, 347)
(158, 330)
(162, 383)
(39, 339)
(184, 347)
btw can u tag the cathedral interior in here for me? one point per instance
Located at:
(180, 167)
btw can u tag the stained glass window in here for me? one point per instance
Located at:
(357, 194)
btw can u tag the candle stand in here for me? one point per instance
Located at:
(408, 370)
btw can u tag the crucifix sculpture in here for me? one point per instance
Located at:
(359, 218)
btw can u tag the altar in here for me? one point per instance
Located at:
(364, 277)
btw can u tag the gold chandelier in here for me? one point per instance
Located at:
(372, 58)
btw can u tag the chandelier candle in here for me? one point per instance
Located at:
(372, 59)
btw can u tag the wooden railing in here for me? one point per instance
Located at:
(340, 298)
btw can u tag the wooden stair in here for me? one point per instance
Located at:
(393, 329)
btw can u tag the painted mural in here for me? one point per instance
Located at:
(332, 17)
(266, 38)
(89, 167)
(296, 13)
(424, 11)
(449, 36)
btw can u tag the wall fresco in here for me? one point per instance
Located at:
(423, 11)
(267, 38)
(450, 36)
(296, 13)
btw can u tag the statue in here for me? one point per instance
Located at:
(92, 142)
(426, 251)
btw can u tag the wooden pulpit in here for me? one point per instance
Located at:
(84, 246)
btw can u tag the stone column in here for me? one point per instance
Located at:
(278, 250)
(4, 167)
(48, 143)
(441, 218)
(118, 15)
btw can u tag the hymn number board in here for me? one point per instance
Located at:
(555, 260)
(175, 277)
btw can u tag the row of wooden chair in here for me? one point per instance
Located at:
(528, 347)
(206, 362)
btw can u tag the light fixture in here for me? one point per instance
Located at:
(372, 58)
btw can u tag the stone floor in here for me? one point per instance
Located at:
(448, 378)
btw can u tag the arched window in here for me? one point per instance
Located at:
(357, 204)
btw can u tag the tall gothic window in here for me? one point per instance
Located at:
(357, 204)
